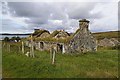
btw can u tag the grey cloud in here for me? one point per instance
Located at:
(38, 13)
(11, 25)
(36, 20)
(119, 10)
(39, 9)
(58, 12)
(30, 9)
(4, 8)
(82, 10)
(34, 9)
(119, 15)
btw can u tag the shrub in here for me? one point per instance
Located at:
(18, 38)
(6, 39)
(15, 38)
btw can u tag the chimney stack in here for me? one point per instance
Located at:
(83, 24)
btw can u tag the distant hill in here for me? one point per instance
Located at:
(98, 35)
(13, 34)
(102, 35)
(110, 34)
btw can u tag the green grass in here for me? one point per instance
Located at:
(0, 59)
(110, 34)
(98, 36)
(102, 64)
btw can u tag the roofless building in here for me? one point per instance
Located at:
(82, 41)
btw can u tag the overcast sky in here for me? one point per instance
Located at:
(24, 17)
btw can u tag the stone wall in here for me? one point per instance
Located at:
(83, 41)
(108, 42)
(62, 34)
(60, 47)
(44, 35)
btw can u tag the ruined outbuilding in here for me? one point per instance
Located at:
(40, 33)
(60, 34)
(108, 42)
(82, 41)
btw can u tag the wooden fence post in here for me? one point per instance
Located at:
(4, 45)
(53, 57)
(22, 47)
(8, 48)
(32, 48)
(19, 48)
(51, 51)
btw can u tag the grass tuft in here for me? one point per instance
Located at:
(102, 64)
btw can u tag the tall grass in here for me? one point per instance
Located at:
(102, 64)
(0, 59)
(111, 34)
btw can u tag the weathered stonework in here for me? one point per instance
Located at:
(41, 33)
(42, 45)
(108, 42)
(83, 41)
(44, 35)
(62, 34)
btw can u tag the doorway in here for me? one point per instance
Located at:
(41, 45)
(60, 48)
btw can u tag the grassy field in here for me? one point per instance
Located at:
(102, 64)
(110, 34)
(0, 59)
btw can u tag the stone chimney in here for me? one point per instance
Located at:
(83, 41)
(36, 29)
(83, 24)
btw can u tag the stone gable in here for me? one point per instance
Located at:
(62, 34)
(83, 41)
(44, 35)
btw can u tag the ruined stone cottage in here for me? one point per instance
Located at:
(81, 41)
(108, 42)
